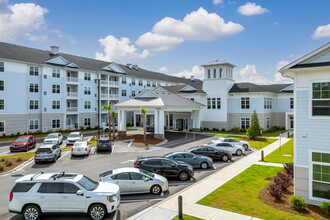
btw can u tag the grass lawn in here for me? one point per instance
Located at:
(186, 217)
(240, 195)
(254, 144)
(277, 155)
(26, 155)
(270, 134)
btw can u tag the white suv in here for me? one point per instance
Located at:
(73, 137)
(39, 193)
(53, 138)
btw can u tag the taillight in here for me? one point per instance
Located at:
(37, 152)
(72, 149)
(86, 149)
(137, 165)
(11, 196)
(50, 152)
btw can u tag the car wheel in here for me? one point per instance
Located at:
(224, 158)
(97, 212)
(156, 189)
(204, 165)
(239, 152)
(183, 176)
(246, 147)
(31, 212)
(106, 130)
(26, 149)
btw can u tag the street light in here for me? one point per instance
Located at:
(98, 108)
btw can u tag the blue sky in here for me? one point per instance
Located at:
(173, 36)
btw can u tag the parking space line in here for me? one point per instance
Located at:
(63, 155)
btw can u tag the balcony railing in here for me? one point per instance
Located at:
(104, 95)
(72, 109)
(72, 94)
(114, 83)
(104, 82)
(72, 79)
(114, 96)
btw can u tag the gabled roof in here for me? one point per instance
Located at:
(188, 88)
(218, 62)
(251, 87)
(180, 88)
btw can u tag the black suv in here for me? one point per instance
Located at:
(166, 167)
(211, 152)
(104, 143)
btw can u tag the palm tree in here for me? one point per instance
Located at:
(144, 113)
(113, 115)
(108, 109)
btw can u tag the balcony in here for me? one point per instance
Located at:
(104, 96)
(104, 82)
(72, 109)
(73, 80)
(73, 95)
(114, 96)
(114, 83)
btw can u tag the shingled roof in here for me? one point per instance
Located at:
(251, 87)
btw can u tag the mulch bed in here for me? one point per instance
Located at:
(284, 204)
(14, 164)
(138, 140)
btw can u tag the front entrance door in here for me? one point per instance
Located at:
(291, 122)
(179, 124)
(185, 124)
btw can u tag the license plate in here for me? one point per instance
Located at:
(79, 149)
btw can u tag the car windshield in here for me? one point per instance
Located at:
(168, 155)
(87, 183)
(21, 140)
(104, 141)
(73, 135)
(52, 136)
(147, 173)
(176, 163)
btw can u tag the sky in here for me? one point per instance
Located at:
(174, 37)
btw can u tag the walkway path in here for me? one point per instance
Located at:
(167, 209)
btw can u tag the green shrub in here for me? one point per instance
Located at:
(223, 129)
(254, 130)
(298, 202)
(8, 163)
(236, 129)
(25, 133)
(18, 133)
(12, 135)
(4, 135)
(325, 208)
(19, 159)
(1, 166)
(2, 160)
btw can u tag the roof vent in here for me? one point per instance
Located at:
(192, 78)
(136, 67)
(54, 49)
(129, 65)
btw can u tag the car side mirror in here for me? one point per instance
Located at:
(80, 193)
(146, 179)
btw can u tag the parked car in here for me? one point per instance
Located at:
(233, 141)
(233, 149)
(36, 194)
(150, 127)
(134, 180)
(73, 137)
(211, 152)
(196, 161)
(104, 143)
(106, 128)
(53, 138)
(166, 167)
(47, 152)
(81, 148)
(23, 143)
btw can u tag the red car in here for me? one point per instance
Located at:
(23, 143)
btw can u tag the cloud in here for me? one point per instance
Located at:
(278, 78)
(35, 38)
(19, 19)
(158, 42)
(251, 9)
(276, 23)
(322, 32)
(216, 2)
(64, 36)
(281, 64)
(119, 50)
(163, 69)
(196, 71)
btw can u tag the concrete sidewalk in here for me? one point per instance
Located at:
(167, 209)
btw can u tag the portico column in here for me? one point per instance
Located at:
(134, 119)
(156, 122)
(119, 120)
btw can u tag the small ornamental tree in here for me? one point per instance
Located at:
(254, 130)
(144, 114)
(108, 109)
(113, 116)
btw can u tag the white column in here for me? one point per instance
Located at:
(161, 122)
(134, 119)
(156, 122)
(124, 120)
(198, 119)
(119, 120)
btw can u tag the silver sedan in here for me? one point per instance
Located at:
(134, 180)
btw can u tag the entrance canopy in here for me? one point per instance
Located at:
(160, 103)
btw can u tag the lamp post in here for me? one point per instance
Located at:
(98, 109)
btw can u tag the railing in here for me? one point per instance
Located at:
(72, 94)
(104, 82)
(104, 95)
(114, 96)
(114, 83)
(72, 109)
(72, 79)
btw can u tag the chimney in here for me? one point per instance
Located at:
(192, 78)
(129, 65)
(54, 49)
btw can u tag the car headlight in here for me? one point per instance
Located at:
(112, 198)
(163, 181)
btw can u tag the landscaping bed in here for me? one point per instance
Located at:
(138, 139)
(266, 134)
(15, 160)
(187, 217)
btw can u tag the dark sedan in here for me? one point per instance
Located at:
(211, 152)
(104, 144)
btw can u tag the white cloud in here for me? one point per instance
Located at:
(39, 38)
(322, 32)
(20, 19)
(196, 71)
(158, 42)
(119, 50)
(64, 36)
(163, 69)
(281, 64)
(216, 2)
(251, 9)
(278, 78)
(276, 23)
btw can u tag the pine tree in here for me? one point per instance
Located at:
(254, 130)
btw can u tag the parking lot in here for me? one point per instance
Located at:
(122, 156)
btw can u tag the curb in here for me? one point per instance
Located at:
(18, 167)
(156, 145)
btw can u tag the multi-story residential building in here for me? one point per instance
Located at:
(311, 75)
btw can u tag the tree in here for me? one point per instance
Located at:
(113, 115)
(254, 130)
(144, 113)
(108, 109)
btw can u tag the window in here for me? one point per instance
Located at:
(2, 126)
(245, 103)
(123, 80)
(192, 99)
(171, 120)
(321, 99)
(50, 188)
(220, 73)
(22, 187)
(87, 121)
(213, 103)
(56, 104)
(2, 85)
(291, 103)
(123, 92)
(87, 90)
(214, 73)
(208, 103)
(122, 176)
(2, 104)
(133, 93)
(267, 122)
(34, 104)
(153, 84)
(56, 73)
(218, 103)
(56, 123)
(140, 82)
(70, 188)
(34, 87)
(148, 83)
(56, 89)
(208, 74)
(87, 105)
(245, 123)
(268, 103)
(34, 124)
(321, 175)
(34, 71)
(87, 76)
(137, 176)
(133, 82)
(2, 67)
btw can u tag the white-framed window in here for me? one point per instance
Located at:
(159, 83)
(245, 123)
(192, 99)
(2, 85)
(56, 123)
(56, 73)
(87, 76)
(153, 84)
(34, 124)
(87, 105)
(268, 122)
(208, 74)
(291, 103)
(87, 90)
(148, 83)
(321, 99)
(2, 104)
(214, 103)
(56, 88)
(34, 71)
(56, 104)
(34, 87)
(268, 102)
(133, 82)
(320, 175)
(214, 73)
(220, 73)
(133, 93)
(140, 82)
(87, 122)
(34, 104)
(123, 80)
(2, 126)
(245, 103)
(123, 92)
(2, 67)
(218, 103)
(209, 103)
